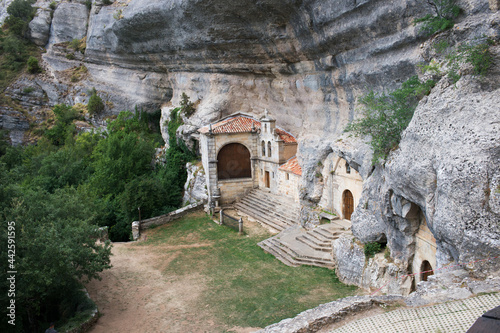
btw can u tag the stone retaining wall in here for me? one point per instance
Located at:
(138, 226)
(326, 314)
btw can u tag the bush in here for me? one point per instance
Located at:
(446, 11)
(88, 3)
(371, 249)
(187, 107)
(479, 56)
(107, 2)
(385, 117)
(53, 5)
(33, 66)
(95, 105)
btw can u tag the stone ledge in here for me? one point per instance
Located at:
(315, 319)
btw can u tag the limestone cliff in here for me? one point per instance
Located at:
(306, 61)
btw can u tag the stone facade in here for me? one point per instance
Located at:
(269, 148)
(339, 178)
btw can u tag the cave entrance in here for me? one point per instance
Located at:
(233, 161)
(426, 267)
(348, 203)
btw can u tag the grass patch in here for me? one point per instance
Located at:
(246, 286)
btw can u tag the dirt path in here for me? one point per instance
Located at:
(139, 295)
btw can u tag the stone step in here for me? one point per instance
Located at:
(312, 244)
(262, 213)
(264, 195)
(319, 238)
(273, 210)
(273, 204)
(301, 258)
(278, 253)
(262, 218)
(325, 234)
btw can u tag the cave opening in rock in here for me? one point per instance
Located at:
(426, 270)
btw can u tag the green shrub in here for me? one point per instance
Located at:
(385, 117)
(70, 56)
(95, 104)
(33, 66)
(446, 11)
(107, 2)
(88, 3)
(371, 249)
(479, 56)
(28, 90)
(187, 107)
(53, 5)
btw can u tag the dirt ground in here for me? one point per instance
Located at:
(138, 295)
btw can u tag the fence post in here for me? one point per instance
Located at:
(221, 216)
(240, 226)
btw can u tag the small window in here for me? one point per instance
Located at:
(273, 175)
(263, 148)
(269, 149)
(287, 176)
(347, 168)
(265, 127)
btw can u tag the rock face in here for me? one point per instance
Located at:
(307, 61)
(69, 22)
(3, 9)
(40, 27)
(195, 189)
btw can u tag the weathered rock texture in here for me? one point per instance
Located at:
(195, 189)
(306, 61)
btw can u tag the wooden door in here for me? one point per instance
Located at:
(267, 179)
(348, 204)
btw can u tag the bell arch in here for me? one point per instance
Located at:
(233, 162)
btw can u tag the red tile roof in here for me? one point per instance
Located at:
(238, 124)
(292, 165)
(285, 136)
(243, 124)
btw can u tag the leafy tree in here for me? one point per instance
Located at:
(20, 14)
(95, 105)
(63, 128)
(446, 11)
(55, 249)
(385, 117)
(118, 159)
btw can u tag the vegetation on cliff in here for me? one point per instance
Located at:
(386, 116)
(15, 48)
(59, 191)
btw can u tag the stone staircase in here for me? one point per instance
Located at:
(296, 246)
(275, 212)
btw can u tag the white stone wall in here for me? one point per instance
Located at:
(336, 180)
(289, 187)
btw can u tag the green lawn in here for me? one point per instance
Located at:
(246, 286)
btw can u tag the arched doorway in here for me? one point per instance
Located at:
(233, 161)
(426, 267)
(348, 204)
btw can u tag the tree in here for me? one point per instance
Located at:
(95, 104)
(55, 250)
(187, 107)
(446, 11)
